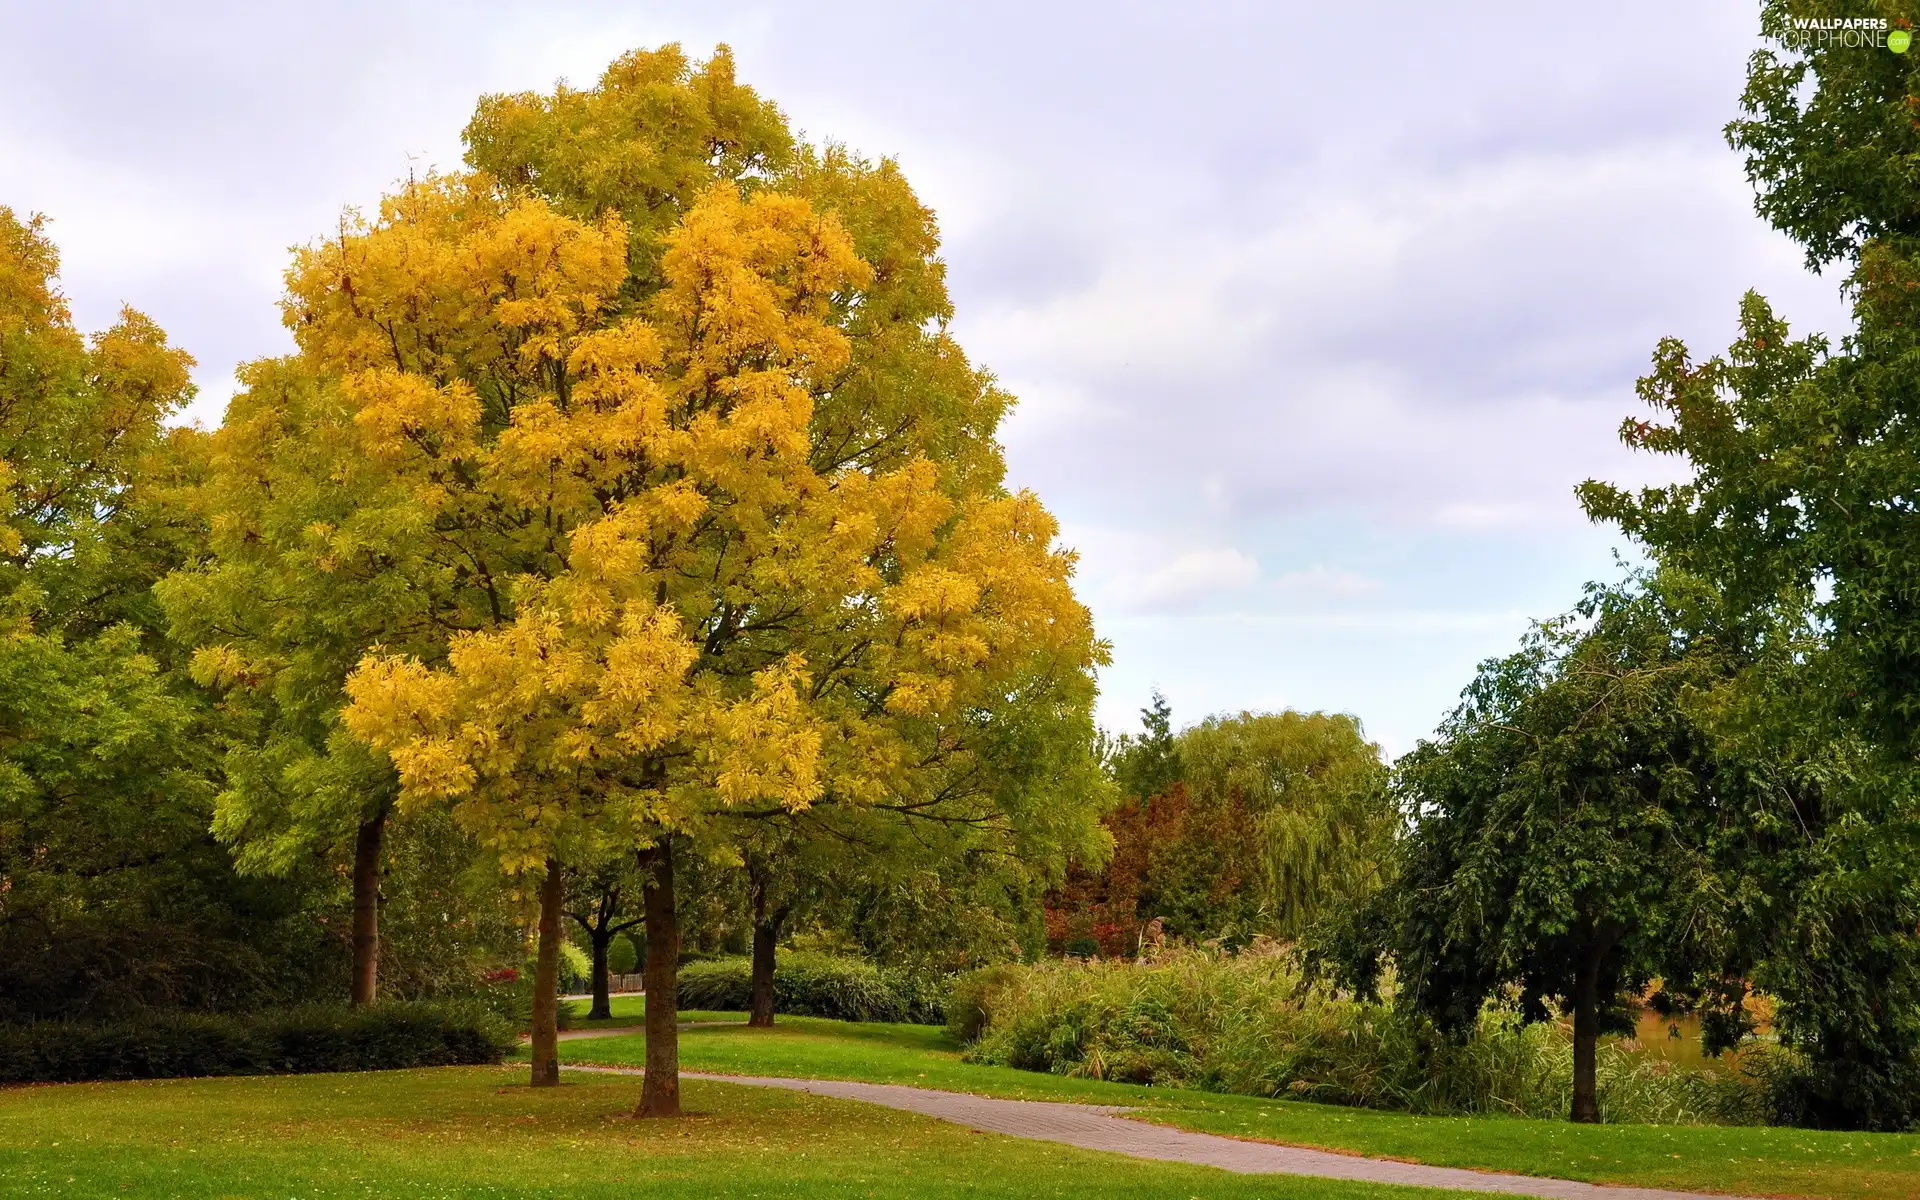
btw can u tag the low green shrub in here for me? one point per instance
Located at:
(623, 957)
(1251, 1024)
(310, 1038)
(815, 985)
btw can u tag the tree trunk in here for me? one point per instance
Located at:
(367, 841)
(660, 1092)
(1586, 1038)
(546, 983)
(602, 1001)
(760, 1010)
(761, 1015)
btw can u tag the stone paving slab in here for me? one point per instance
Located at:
(1099, 1127)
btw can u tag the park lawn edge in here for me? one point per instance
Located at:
(1713, 1159)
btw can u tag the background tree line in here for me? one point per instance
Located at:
(1258, 824)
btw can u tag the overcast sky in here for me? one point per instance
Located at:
(1317, 313)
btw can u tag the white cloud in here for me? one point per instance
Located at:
(1426, 349)
(1191, 577)
(1320, 580)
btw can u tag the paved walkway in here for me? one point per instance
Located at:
(1098, 1127)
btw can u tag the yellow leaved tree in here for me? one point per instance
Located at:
(700, 621)
(651, 511)
(315, 552)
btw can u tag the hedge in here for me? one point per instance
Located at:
(311, 1038)
(814, 985)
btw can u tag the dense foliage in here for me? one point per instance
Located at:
(817, 985)
(627, 539)
(112, 893)
(1796, 522)
(627, 492)
(1258, 823)
(164, 1045)
(1252, 1024)
(1574, 826)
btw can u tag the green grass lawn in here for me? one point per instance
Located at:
(632, 1010)
(1774, 1162)
(479, 1132)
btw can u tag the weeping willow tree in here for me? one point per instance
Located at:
(1306, 794)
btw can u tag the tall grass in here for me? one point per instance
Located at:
(1251, 1024)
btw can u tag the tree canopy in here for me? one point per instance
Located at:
(113, 894)
(628, 489)
(1796, 522)
(1570, 826)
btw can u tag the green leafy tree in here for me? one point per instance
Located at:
(623, 956)
(282, 608)
(1147, 764)
(112, 896)
(1569, 830)
(779, 887)
(1797, 521)
(1311, 791)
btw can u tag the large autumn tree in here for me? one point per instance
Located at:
(1797, 513)
(660, 501)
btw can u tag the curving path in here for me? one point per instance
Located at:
(1099, 1127)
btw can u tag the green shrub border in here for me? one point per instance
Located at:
(303, 1040)
(815, 985)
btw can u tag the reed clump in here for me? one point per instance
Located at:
(1252, 1023)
